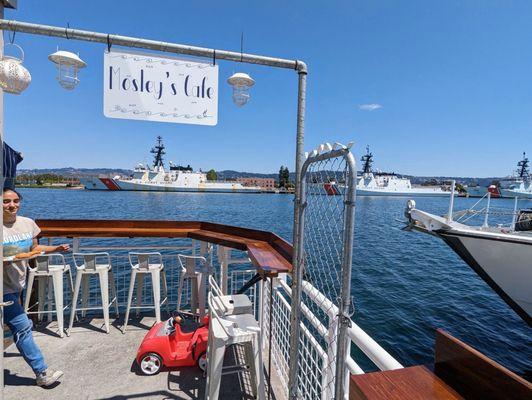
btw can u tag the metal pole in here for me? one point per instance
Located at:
(2, 214)
(297, 255)
(514, 217)
(167, 47)
(270, 342)
(345, 294)
(485, 225)
(451, 203)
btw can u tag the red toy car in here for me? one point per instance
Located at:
(174, 343)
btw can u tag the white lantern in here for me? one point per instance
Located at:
(14, 78)
(241, 84)
(68, 64)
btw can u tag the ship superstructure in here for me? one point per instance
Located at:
(379, 183)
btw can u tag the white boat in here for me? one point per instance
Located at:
(500, 255)
(158, 179)
(517, 185)
(384, 184)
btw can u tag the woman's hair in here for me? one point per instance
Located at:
(7, 189)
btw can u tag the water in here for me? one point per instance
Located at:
(405, 284)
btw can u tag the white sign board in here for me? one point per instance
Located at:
(153, 88)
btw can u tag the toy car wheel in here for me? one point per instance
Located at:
(151, 363)
(202, 361)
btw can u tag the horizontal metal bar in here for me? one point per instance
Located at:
(380, 357)
(322, 330)
(167, 47)
(99, 248)
(354, 368)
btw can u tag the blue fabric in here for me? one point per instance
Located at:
(20, 325)
(11, 159)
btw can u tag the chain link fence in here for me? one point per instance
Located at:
(321, 287)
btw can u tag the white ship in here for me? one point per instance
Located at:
(158, 179)
(517, 185)
(384, 184)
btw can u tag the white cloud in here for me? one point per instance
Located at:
(369, 107)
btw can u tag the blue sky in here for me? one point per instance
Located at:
(453, 79)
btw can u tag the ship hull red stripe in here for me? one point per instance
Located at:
(110, 184)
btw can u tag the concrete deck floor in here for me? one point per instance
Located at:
(101, 366)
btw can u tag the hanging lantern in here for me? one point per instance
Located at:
(14, 78)
(68, 64)
(241, 84)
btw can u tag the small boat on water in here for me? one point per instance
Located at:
(500, 255)
(517, 185)
(377, 183)
(158, 179)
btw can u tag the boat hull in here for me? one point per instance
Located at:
(502, 264)
(522, 194)
(500, 257)
(118, 184)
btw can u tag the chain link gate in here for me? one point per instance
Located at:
(321, 280)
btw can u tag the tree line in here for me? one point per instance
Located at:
(43, 179)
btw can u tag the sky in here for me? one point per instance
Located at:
(433, 87)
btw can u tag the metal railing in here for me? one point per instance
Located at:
(318, 320)
(315, 336)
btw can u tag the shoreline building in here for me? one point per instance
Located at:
(263, 183)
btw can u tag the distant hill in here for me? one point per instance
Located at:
(70, 172)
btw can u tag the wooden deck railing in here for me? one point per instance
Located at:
(266, 250)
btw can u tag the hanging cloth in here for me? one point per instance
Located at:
(11, 159)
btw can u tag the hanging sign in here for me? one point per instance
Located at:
(153, 88)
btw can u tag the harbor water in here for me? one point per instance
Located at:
(405, 284)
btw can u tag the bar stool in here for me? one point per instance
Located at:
(197, 270)
(151, 264)
(225, 331)
(232, 304)
(93, 264)
(49, 267)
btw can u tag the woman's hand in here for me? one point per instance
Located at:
(62, 247)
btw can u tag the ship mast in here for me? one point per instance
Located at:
(158, 152)
(523, 167)
(367, 159)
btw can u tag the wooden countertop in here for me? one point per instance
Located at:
(264, 248)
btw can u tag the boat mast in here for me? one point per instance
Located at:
(367, 159)
(158, 152)
(523, 167)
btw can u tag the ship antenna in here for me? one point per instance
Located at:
(523, 167)
(367, 159)
(158, 152)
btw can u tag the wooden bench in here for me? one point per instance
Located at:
(460, 372)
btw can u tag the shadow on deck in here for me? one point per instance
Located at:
(101, 366)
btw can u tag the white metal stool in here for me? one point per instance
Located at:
(49, 267)
(93, 264)
(231, 304)
(142, 264)
(242, 330)
(197, 270)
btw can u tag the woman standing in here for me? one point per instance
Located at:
(20, 236)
